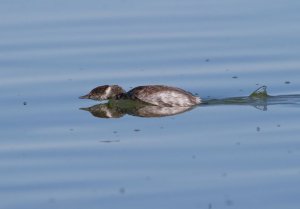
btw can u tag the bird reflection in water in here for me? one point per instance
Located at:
(119, 109)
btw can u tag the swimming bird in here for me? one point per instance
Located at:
(157, 95)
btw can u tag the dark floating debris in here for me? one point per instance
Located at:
(122, 190)
(287, 82)
(207, 60)
(136, 130)
(109, 141)
(234, 77)
(24, 103)
(229, 202)
(258, 129)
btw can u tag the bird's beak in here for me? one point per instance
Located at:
(85, 108)
(85, 97)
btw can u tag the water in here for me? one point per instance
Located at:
(54, 155)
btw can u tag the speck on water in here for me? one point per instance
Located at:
(122, 190)
(229, 202)
(209, 206)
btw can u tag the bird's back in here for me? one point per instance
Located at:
(163, 96)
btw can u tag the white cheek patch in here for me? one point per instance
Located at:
(107, 92)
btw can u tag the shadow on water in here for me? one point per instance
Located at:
(258, 99)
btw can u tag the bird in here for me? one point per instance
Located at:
(157, 95)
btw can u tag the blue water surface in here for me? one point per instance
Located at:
(54, 155)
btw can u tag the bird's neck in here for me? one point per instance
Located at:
(121, 96)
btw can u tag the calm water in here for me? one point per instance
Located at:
(54, 155)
